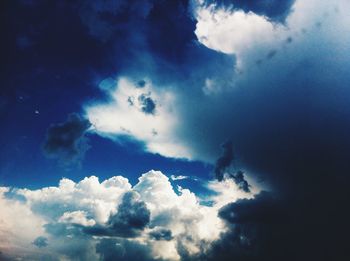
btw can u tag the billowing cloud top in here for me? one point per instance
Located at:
(90, 220)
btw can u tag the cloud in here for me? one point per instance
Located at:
(76, 217)
(284, 104)
(67, 141)
(234, 31)
(257, 231)
(131, 218)
(121, 249)
(161, 234)
(92, 220)
(131, 213)
(275, 10)
(222, 168)
(224, 161)
(40, 242)
(276, 116)
(133, 112)
(180, 177)
(148, 106)
(19, 227)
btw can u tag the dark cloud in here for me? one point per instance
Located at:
(271, 54)
(148, 106)
(141, 83)
(132, 215)
(292, 130)
(161, 234)
(123, 249)
(224, 161)
(223, 167)
(288, 122)
(70, 241)
(263, 208)
(276, 10)
(155, 39)
(40, 242)
(139, 25)
(256, 231)
(130, 219)
(270, 228)
(239, 179)
(67, 141)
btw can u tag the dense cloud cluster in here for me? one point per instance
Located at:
(274, 92)
(92, 220)
(270, 76)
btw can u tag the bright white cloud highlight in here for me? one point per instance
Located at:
(126, 114)
(253, 38)
(61, 214)
(232, 31)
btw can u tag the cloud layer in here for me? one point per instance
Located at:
(92, 220)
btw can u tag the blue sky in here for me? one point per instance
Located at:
(174, 129)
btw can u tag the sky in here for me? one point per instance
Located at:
(174, 130)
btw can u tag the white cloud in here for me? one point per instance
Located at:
(76, 217)
(65, 209)
(232, 31)
(251, 37)
(179, 177)
(19, 226)
(125, 115)
(88, 195)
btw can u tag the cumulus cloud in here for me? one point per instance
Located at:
(131, 218)
(235, 31)
(66, 141)
(273, 9)
(19, 227)
(92, 220)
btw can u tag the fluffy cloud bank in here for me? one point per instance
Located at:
(92, 220)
